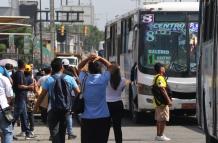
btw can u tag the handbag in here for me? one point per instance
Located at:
(79, 103)
(7, 112)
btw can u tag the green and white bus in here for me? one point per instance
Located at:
(165, 32)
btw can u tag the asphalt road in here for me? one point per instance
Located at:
(180, 130)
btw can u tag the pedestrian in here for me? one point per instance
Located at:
(59, 87)
(20, 88)
(162, 108)
(66, 65)
(30, 97)
(95, 120)
(114, 90)
(44, 105)
(6, 93)
(9, 68)
(5, 72)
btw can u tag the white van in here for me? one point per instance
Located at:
(73, 60)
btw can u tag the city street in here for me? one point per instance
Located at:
(184, 130)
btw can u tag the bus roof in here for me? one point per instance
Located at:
(162, 6)
(173, 6)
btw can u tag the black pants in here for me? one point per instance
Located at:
(57, 125)
(44, 114)
(116, 112)
(95, 130)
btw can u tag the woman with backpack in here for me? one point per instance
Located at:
(95, 120)
(113, 97)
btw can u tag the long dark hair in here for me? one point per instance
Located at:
(115, 76)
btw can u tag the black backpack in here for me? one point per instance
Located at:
(61, 96)
(157, 93)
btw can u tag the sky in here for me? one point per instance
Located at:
(105, 10)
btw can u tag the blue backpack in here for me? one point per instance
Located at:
(60, 95)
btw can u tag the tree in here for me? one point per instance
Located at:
(93, 37)
(3, 48)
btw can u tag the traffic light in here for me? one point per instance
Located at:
(62, 30)
(61, 34)
(85, 30)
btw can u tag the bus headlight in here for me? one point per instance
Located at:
(144, 89)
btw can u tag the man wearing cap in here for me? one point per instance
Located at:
(66, 63)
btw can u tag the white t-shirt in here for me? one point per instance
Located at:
(42, 80)
(113, 95)
(5, 91)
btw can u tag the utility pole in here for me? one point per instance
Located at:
(40, 32)
(52, 26)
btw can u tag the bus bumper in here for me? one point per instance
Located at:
(145, 103)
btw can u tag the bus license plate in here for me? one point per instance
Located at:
(189, 106)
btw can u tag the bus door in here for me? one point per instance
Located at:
(208, 85)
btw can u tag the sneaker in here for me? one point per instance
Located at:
(167, 138)
(162, 138)
(21, 134)
(71, 137)
(29, 137)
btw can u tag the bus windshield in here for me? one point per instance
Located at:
(72, 61)
(166, 42)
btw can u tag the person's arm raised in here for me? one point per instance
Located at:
(104, 61)
(84, 62)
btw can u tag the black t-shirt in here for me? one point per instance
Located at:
(19, 79)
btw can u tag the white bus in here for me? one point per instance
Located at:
(207, 99)
(163, 32)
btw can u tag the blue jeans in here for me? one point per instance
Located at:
(69, 120)
(6, 129)
(21, 111)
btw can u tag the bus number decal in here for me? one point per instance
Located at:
(150, 36)
(148, 18)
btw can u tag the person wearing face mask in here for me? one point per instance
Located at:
(162, 112)
(9, 68)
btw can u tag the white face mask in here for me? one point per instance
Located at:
(10, 73)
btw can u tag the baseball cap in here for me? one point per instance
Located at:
(65, 62)
(28, 68)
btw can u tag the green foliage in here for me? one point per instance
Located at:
(93, 37)
(18, 40)
(3, 48)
